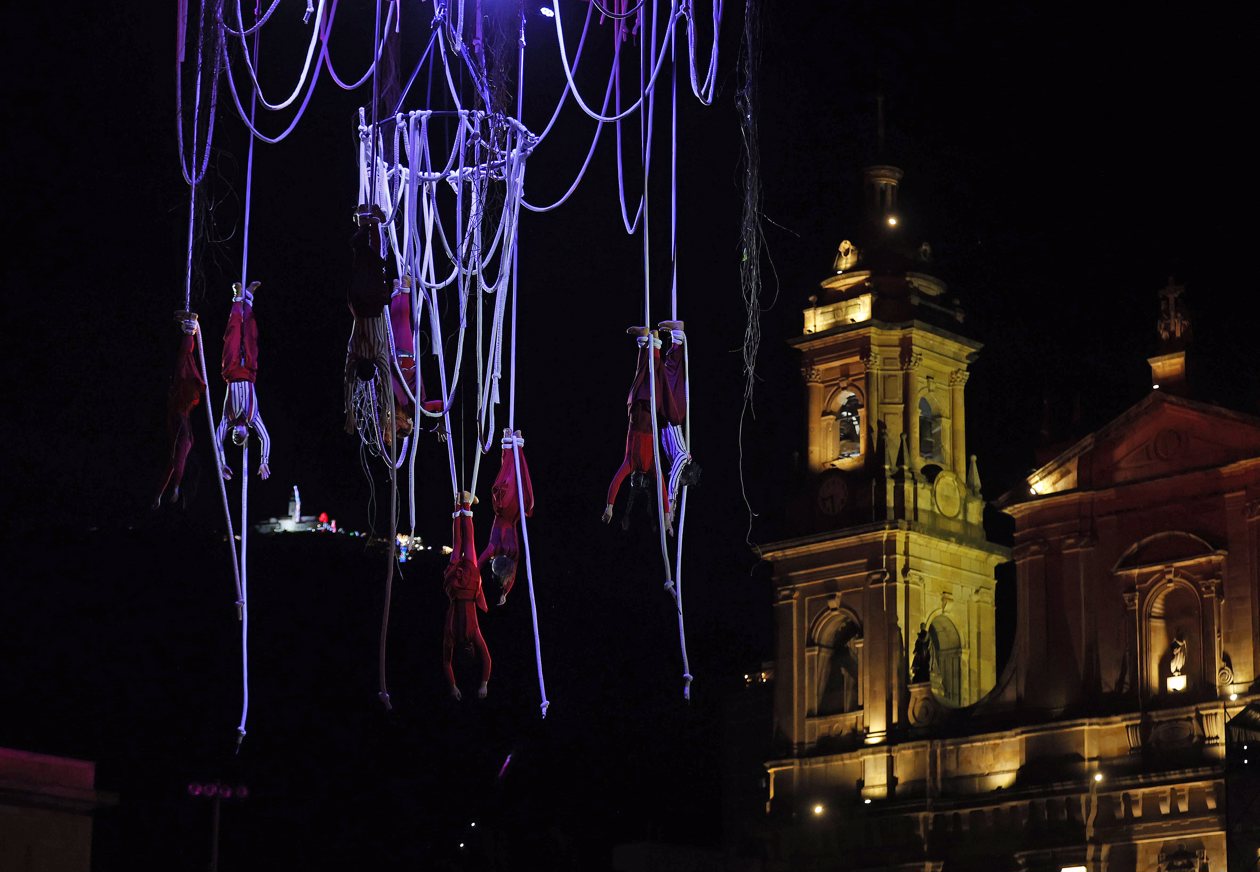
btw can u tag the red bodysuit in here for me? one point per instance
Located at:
(504, 541)
(184, 395)
(671, 404)
(462, 582)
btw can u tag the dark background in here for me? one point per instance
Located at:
(1063, 162)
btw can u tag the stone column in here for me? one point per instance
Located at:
(814, 410)
(958, 420)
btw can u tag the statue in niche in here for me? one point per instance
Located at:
(921, 665)
(847, 421)
(1178, 662)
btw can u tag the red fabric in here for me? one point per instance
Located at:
(240, 344)
(671, 408)
(671, 384)
(184, 395)
(405, 344)
(504, 541)
(462, 582)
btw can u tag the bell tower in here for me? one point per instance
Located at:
(885, 604)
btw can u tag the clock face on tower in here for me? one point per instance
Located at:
(833, 493)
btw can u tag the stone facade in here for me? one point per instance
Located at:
(1137, 567)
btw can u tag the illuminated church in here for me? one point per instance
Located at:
(1102, 743)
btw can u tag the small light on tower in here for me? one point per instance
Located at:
(1097, 776)
(1176, 683)
(892, 220)
(819, 809)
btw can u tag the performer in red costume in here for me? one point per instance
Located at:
(503, 549)
(404, 369)
(184, 395)
(671, 404)
(240, 369)
(462, 582)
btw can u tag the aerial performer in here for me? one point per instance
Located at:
(367, 353)
(503, 549)
(406, 379)
(461, 581)
(184, 395)
(240, 369)
(639, 462)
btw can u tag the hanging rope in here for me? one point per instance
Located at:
(240, 729)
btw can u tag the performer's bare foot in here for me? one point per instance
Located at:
(455, 694)
(637, 331)
(670, 325)
(482, 691)
(607, 516)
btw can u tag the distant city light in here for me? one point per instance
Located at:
(461, 846)
(818, 809)
(892, 220)
(1154, 387)
(473, 824)
(547, 12)
(867, 801)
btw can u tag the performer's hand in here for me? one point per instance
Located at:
(157, 504)
(607, 516)
(455, 694)
(264, 471)
(482, 691)
(226, 472)
(502, 597)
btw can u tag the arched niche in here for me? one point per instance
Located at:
(945, 650)
(1173, 619)
(838, 637)
(843, 424)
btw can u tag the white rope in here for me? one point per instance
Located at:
(218, 474)
(240, 729)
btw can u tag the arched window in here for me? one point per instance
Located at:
(842, 425)
(930, 447)
(839, 672)
(945, 647)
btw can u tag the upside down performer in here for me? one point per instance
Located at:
(185, 393)
(639, 462)
(503, 549)
(462, 582)
(240, 369)
(367, 353)
(404, 371)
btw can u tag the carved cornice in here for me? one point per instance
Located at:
(958, 378)
(871, 360)
(1130, 599)
(787, 595)
(1079, 542)
(812, 374)
(1025, 550)
(1251, 510)
(1209, 586)
(911, 359)
(877, 578)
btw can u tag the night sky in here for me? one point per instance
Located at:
(1062, 161)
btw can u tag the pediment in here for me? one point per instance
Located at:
(1165, 549)
(1161, 436)
(1170, 437)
